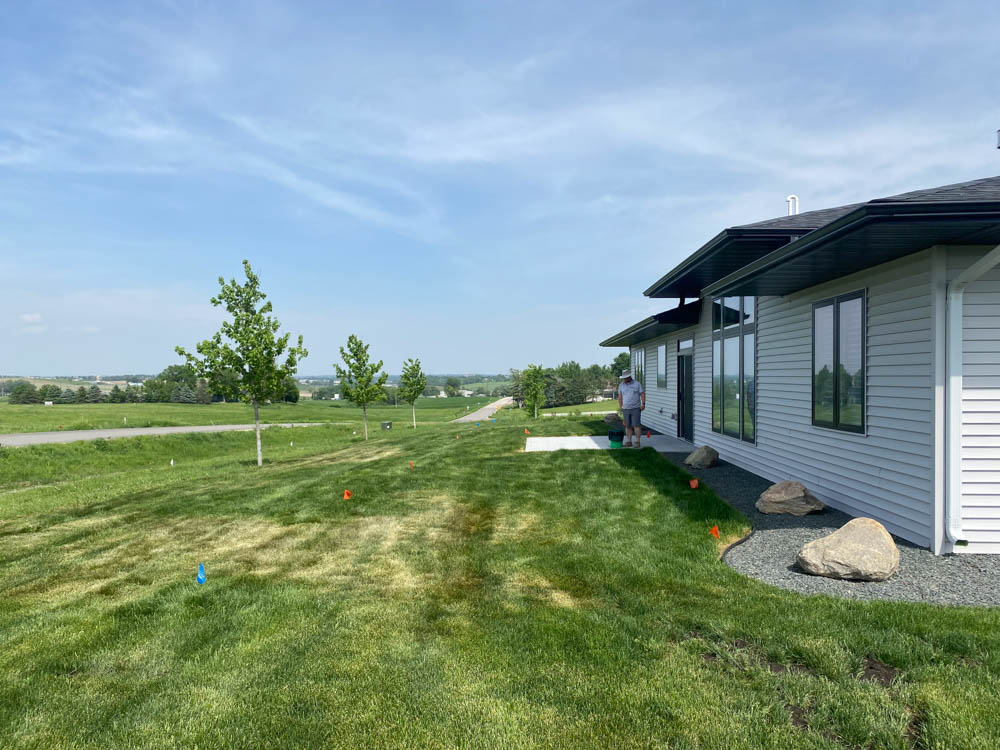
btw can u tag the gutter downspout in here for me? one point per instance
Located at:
(953, 405)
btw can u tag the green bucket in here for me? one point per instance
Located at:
(615, 438)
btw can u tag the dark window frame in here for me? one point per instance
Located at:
(835, 303)
(720, 333)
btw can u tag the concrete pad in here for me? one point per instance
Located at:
(662, 443)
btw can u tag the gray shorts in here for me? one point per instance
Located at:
(632, 418)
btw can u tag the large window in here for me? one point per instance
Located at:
(734, 367)
(838, 389)
(639, 365)
(661, 366)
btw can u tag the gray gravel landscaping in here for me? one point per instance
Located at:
(769, 554)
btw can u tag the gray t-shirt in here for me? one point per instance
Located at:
(630, 394)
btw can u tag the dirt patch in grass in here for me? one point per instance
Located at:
(359, 454)
(877, 671)
(800, 717)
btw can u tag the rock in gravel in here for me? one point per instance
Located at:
(704, 457)
(860, 550)
(788, 497)
(612, 420)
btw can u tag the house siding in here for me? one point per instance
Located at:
(661, 403)
(887, 473)
(980, 405)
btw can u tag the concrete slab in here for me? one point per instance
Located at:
(664, 443)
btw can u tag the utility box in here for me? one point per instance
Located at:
(387, 425)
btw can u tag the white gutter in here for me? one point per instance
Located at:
(953, 405)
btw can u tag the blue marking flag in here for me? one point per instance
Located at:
(201, 573)
(494, 421)
(477, 424)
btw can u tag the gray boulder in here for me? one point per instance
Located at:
(704, 457)
(860, 550)
(789, 497)
(612, 420)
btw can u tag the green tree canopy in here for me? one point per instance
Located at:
(533, 386)
(361, 382)
(23, 392)
(412, 385)
(249, 345)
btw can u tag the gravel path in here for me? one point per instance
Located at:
(16, 440)
(481, 415)
(769, 554)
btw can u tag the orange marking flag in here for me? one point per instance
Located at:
(348, 494)
(694, 484)
(714, 532)
(411, 464)
(526, 431)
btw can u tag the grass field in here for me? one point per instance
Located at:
(486, 598)
(39, 418)
(593, 406)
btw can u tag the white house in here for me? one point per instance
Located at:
(856, 349)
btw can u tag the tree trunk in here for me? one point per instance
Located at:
(536, 410)
(414, 407)
(364, 411)
(256, 421)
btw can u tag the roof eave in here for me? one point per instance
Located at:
(712, 245)
(848, 223)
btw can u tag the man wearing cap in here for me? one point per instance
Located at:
(632, 400)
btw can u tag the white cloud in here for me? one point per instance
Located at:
(30, 317)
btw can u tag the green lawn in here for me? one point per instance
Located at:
(592, 406)
(40, 418)
(487, 598)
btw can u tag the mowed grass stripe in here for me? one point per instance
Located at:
(485, 598)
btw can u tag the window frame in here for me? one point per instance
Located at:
(720, 334)
(835, 302)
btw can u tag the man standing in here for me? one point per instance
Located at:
(632, 400)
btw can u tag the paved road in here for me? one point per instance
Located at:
(486, 412)
(70, 436)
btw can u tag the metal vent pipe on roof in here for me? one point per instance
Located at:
(793, 204)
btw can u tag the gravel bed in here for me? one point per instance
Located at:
(769, 554)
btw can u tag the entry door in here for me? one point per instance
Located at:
(685, 397)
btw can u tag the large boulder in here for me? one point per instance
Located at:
(704, 457)
(789, 497)
(612, 420)
(860, 550)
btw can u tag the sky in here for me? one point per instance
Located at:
(480, 185)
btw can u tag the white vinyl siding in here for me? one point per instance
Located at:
(887, 473)
(980, 406)
(661, 403)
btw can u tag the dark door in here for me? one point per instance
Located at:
(685, 397)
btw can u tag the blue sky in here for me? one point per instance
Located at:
(481, 185)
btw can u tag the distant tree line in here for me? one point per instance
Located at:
(567, 384)
(177, 384)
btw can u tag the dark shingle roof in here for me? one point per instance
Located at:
(986, 189)
(807, 220)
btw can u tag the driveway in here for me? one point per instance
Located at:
(480, 415)
(17, 440)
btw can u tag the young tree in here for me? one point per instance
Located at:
(533, 385)
(182, 394)
(411, 385)
(117, 395)
(94, 395)
(361, 381)
(252, 349)
(81, 395)
(68, 396)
